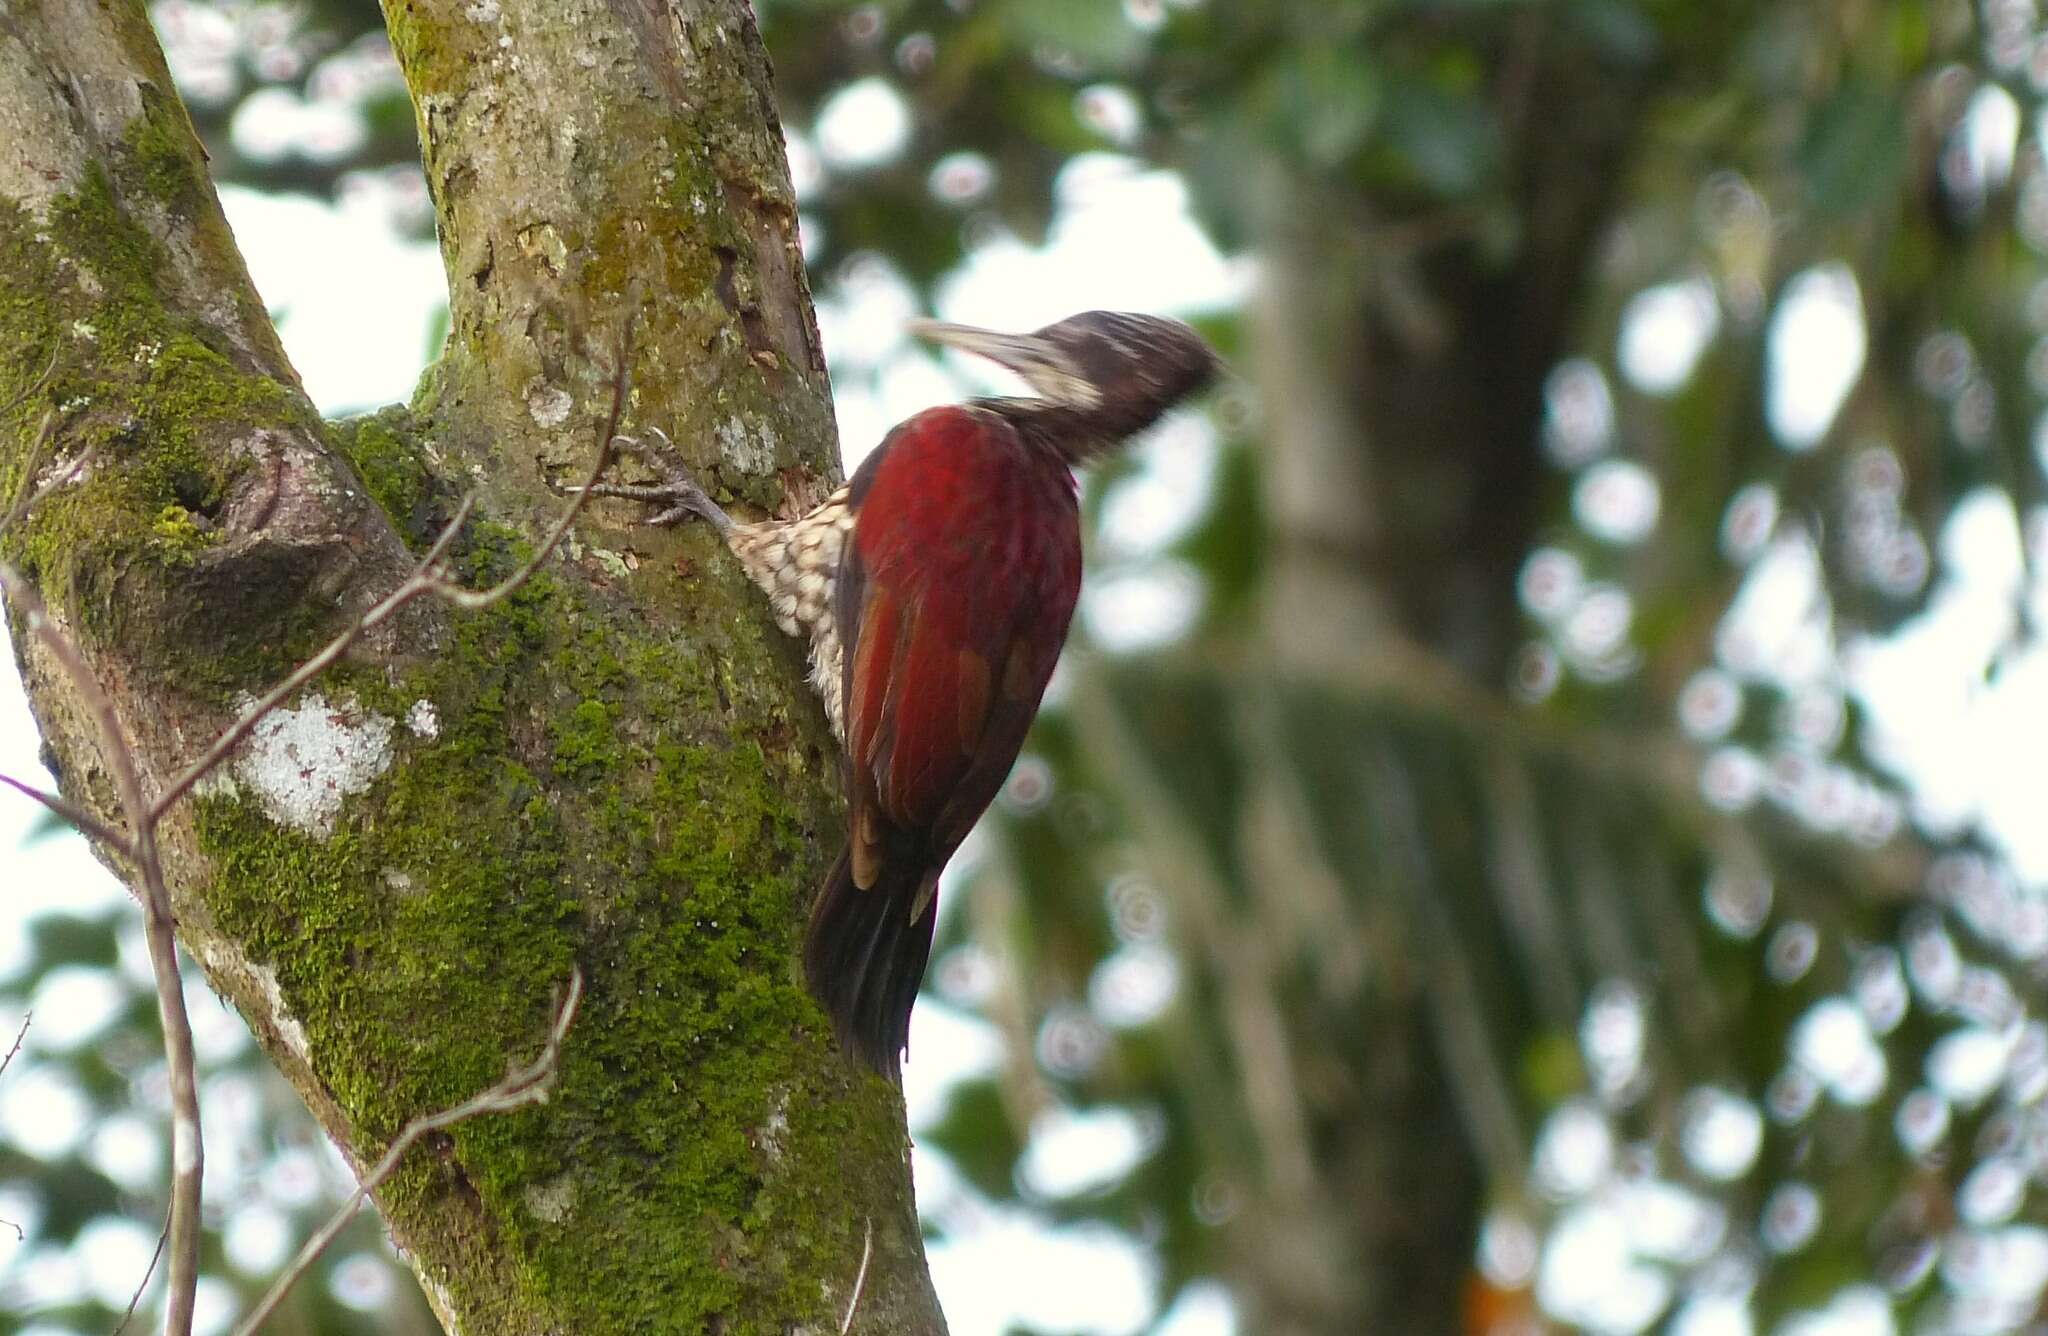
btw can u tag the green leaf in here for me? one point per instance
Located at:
(1322, 98)
(1618, 30)
(1855, 149)
(1445, 139)
(1095, 32)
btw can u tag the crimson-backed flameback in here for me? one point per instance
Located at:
(936, 588)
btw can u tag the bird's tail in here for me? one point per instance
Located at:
(865, 955)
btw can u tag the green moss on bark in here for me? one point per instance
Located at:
(167, 416)
(585, 799)
(161, 159)
(616, 767)
(388, 451)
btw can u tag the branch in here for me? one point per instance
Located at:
(187, 1153)
(521, 1086)
(15, 1051)
(143, 1284)
(20, 1234)
(76, 815)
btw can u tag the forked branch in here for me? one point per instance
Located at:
(143, 815)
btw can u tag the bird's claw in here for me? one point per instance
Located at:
(663, 458)
(680, 494)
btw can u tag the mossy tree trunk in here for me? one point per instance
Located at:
(616, 768)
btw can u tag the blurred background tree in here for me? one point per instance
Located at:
(1540, 825)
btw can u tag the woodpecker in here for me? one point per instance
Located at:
(936, 588)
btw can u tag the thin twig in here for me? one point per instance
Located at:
(187, 1155)
(19, 1035)
(20, 1234)
(860, 1279)
(26, 499)
(35, 384)
(76, 815)
(26, 493)
(136, 1297)
(521, 1086)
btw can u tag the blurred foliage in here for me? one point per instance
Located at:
(1620, 939)
(1606, 982)
(301, 96)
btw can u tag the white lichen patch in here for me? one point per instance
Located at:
(424, 720)
(614, 564)
(549, 404)
(216, 784)
(750, 450)
(483, 11)
(70, 472)
(304, 761)
(774, 1133)
(553, 1200)
(84, 329)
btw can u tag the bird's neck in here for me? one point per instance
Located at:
(1076, 436)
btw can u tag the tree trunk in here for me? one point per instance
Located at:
(617, 768)
(1401, 367)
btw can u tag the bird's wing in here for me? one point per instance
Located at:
(941, 687)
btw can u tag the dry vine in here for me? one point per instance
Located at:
(521, 1086)
(20, 1234)
(860, 1280)
(138, 846)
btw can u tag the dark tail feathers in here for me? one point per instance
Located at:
(864, 956)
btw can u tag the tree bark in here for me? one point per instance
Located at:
(617, 768)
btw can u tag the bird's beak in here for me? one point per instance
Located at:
(1019, 352)
(1031, 356)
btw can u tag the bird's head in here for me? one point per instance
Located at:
(1105, 374)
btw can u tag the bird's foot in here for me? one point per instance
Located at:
(680, 496)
